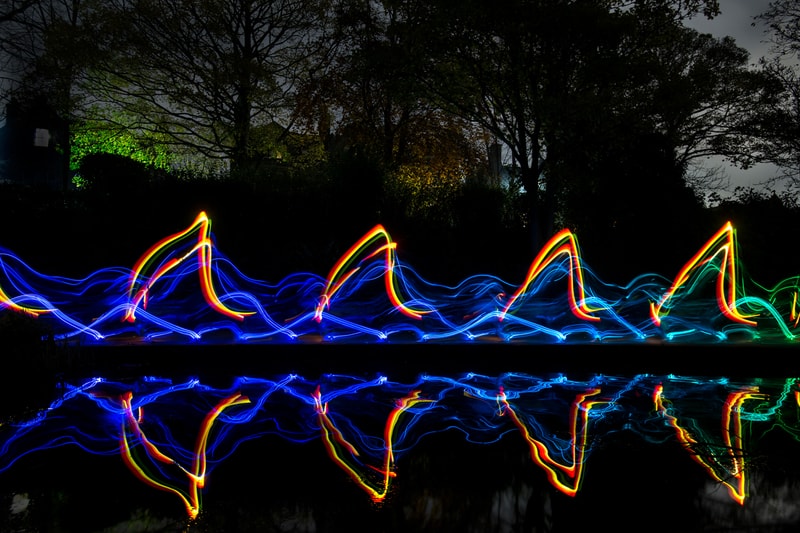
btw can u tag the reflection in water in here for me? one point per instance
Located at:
(172, 435)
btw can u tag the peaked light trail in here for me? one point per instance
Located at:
(566, 244)
(343, 270)
(183, 289)
(722, 245)
(203, 248)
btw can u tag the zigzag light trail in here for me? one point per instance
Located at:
(184, 290)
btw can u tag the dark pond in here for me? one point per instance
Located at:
(475, 437)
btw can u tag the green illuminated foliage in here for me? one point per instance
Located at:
(93, 138)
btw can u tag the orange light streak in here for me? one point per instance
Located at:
(343, 270)
(731, 437)
(197, 474)
(722, 243)
(563, 243)
(331, 437)
(5, 301)
(203, 248)
(579, 437)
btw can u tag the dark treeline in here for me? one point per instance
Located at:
(271, 233)
(473, 132)
(268, 231)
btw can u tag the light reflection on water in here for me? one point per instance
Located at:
(557, 442)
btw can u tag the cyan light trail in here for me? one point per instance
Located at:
(183, 289)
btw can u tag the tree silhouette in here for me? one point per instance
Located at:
(780, 125)
(207, 74)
